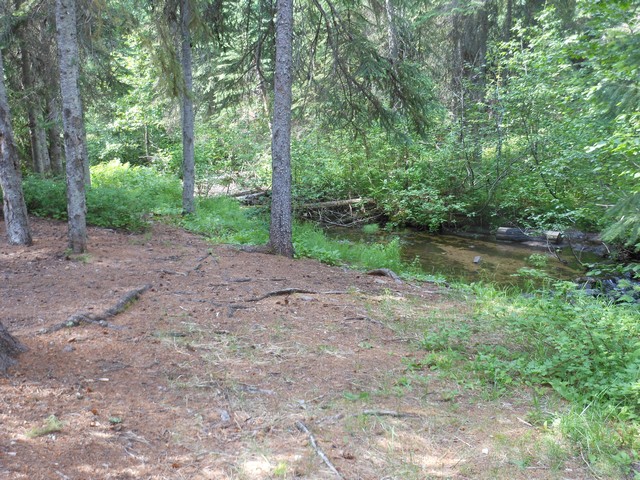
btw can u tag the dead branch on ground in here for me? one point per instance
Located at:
(312, 440)
(77, 319)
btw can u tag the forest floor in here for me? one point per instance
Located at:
(217, 371)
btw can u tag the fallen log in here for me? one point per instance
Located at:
(553, 236)
(512, 234)
(245, 193)
(336, 203)
(253, 198)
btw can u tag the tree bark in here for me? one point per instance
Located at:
(394, 48)
(74, 134)
(280, 232)
(54, 134)
(188, 153)
(14, 208)
(39, 153)
(9, 349)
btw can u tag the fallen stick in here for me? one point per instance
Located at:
(303, 428)
(77, 319)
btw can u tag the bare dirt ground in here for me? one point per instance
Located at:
(207, 377)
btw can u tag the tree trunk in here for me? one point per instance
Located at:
(14, 208)
(39, 154)
(394, 49)
(74, 135)
(53, 132)
(9, 349)
(188, 154)
(280, 236)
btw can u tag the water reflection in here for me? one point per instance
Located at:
(453, 256)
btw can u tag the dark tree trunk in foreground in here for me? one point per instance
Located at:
(280, 237)
(14, 208)
(9, 349)
(188, 154)
(74, 136)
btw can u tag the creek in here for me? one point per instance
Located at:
(452, 256)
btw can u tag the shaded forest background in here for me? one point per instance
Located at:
(448, 113)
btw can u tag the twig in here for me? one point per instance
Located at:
(524, 421)
(461, 440)
(586, 462)
(84, 317)
(303, 428)
(62, 475)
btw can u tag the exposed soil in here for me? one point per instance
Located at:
(205, 377)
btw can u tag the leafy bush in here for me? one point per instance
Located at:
(121, 196)
(223, 220)
(587, 349)
(45, 197)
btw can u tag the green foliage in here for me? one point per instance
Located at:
(45, 197)
(608, 438)
(53, 425)
(224, 220)
(310, 241)
(626, 227)
(586, 348)
(121, 197)
(228, 152)
(538, 260)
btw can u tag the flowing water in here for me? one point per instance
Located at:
(453, 256)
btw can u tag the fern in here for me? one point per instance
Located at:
(626, 228)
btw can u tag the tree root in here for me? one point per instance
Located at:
(77, 319)
(367, 319)
(312, 440)
(10, 347)
(289, 291)
(385, 272)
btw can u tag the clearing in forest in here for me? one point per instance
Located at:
(235, 365)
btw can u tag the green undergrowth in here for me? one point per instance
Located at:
(120, 196)
(224, 220)
(553, 342)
